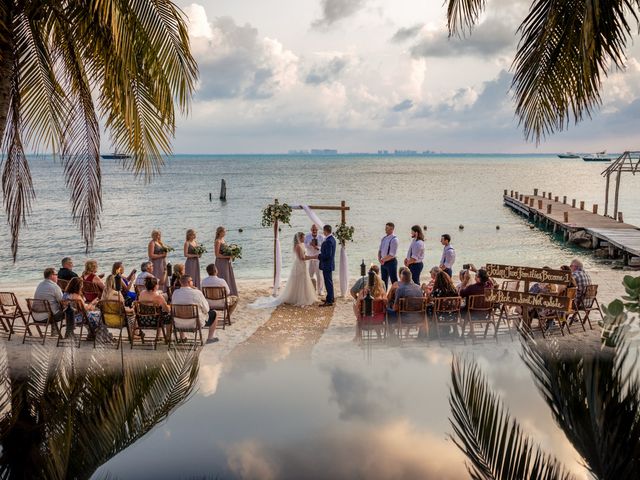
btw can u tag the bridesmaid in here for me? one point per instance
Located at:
(192, 265)
(223, 262)
(158, 256)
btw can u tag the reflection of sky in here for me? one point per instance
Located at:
(341, 417)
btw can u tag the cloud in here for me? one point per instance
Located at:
(357, 397)
(402, 106)
(326, 71)
(235, 61)
(406, 33)
(335, 10)
(492, 37)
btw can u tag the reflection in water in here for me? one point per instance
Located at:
(595, 400)
(64, 415)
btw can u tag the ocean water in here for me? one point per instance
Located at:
(440, 191)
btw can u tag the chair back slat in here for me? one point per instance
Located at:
(39, 310)
(479, 303)
(8, 299)
(412, 304)
(148, 315)
(214, 293)
(185, 317)
(590, 292)
(113, 313)
(62, 284)
(447, 304)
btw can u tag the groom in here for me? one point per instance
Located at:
(328, 264)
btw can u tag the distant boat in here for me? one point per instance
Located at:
(597, 157)
(115, 156)
(568, 155)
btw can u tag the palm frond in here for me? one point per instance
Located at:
(17, 187)
(596, 402)
(565, 50)
(462, 15)
(492, 441)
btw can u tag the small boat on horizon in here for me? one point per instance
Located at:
(597, 157)
(115, 156)
(568, 155)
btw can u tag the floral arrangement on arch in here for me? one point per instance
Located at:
(280, 212)
(344, 233)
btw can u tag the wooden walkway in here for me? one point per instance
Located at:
(568, 216)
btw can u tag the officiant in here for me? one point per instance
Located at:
(312, 243)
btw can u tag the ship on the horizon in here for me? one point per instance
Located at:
(115, 155)
(568, 155)
(598, 157)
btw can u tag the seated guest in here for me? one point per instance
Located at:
(377, 293)
(391, 294)
(123, 284)
(465, 279)
(489, 283)
(146, 270)
(361, 283)
(152, 296)
(442, 287)
(49, 290)
(178, 272)
(66, 272)
(111, 293)
(188, 295)
(477, 288)
(581, 278)
(96, 328)
(406, 288)
(427, 287)
(90, 274)
(214, 281)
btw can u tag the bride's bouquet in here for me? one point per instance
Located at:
(199, 250)
(232, 250)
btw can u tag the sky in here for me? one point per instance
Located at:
(365, 75)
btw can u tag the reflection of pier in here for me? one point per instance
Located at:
(578, 224)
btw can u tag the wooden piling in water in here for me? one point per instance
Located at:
(535, 192)
(620, 218)
(564, 199)
(555, 199)
(573, 203)
(223, 190)
(581, 205)
(595, 208)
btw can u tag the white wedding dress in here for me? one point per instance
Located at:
(299, 289)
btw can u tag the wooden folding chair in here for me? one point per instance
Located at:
(39, 315)
(412, 312)
(446, 311)
(561, 317)
(218, 302)
(150, 317)
(115, 316)
(62, 284)
(76, 307)
(10, 310)
(587, 304)
(480, 312)
(376, 321)
(185, 318)
(90, 288)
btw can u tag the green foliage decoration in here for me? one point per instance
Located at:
(344, 233)
(280, 212)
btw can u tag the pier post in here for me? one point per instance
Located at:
(555, 199)
(531, 202)
(223, 190)
(539, 204)
(544, 194)
(620, 218)
(606, 197)
(505, 192)
(566, 217)
(549, 195)
(564, 199)
(516, 195)
(581, 205)
(535, 192)
(521, 196)
(595, 208)
(511, 194)
(549, 208)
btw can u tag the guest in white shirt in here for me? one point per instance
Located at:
(146, 270)
(448, 255)
(188, 295)
(49, 290)
(387, 255)
(214, 281)
(415, 255)
(312, 243)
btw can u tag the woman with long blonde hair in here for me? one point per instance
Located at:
(157, 252)
(223, 262)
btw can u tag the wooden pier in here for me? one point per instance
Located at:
(578, 224)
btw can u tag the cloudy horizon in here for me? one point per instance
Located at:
(366, 75)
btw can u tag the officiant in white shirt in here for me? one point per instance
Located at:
(312, 243)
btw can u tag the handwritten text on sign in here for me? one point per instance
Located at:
(540, 300)
(528, 274)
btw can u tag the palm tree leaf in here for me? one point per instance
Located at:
(596, 402)
(462, 15)
(565, 50)
(17, 187)
(493, 442)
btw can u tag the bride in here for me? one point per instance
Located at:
(299, 289)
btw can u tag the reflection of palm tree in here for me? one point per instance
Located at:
(64, 421)
(596, 402)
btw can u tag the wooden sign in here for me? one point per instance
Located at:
(529, 274)
(535, 300)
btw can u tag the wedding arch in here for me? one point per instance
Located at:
(277, 213)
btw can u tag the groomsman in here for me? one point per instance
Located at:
(312, 243)
(448, 255)
(415, 255)
(387, 255)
